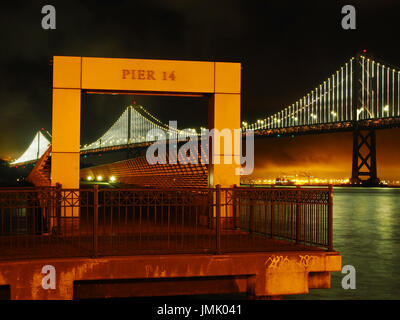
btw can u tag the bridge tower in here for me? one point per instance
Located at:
(364, 140)
(128, 136)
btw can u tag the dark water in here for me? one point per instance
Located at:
(367, 235)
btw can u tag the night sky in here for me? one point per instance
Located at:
(286, 49)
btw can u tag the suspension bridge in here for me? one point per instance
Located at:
(135, 127)
(361, 96)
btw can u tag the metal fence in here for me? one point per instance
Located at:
(56, 222)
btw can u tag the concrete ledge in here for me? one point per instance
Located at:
(259, 274)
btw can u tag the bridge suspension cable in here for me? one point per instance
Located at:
(133, 126)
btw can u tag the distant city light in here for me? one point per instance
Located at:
(89, 178)
(99, 178)
(306, 180)
(112, 179)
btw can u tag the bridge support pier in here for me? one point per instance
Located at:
(364, 158)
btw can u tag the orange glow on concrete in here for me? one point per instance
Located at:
(258, 274)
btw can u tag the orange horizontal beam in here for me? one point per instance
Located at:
(147, 93)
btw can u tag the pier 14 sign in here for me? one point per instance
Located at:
(149, 75)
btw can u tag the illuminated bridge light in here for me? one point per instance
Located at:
(112, 179)
(36, 149)
(99, 178)
(89, 178)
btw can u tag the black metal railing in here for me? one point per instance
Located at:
(56, 222)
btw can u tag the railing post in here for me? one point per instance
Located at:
(330, 219)
(210, 208)
(95, 219)
(298, 211)
(252, 221)
(236, 224)
(218, 217)
(272, 211)
(57, 228)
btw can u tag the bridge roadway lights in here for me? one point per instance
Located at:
(261, 275)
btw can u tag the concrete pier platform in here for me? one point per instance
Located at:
(261, 275)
